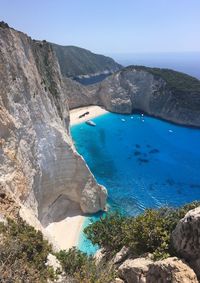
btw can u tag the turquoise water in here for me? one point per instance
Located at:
(142, 161)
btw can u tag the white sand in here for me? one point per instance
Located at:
(66, 232)
(94, 111)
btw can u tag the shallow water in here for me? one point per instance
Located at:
(142, 161)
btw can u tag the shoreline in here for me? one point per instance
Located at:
(94, 111)
(66, 232)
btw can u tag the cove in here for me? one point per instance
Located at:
(143, 162)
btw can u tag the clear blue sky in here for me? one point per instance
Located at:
(109, 26)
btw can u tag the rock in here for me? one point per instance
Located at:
(186, 239)
(53, 262)
(118, 280)
(150, 91)
(39, 165)
(99, 256)
(3, 219)
(144, 270)
(135, 270)
(121, 255)
(170, 270)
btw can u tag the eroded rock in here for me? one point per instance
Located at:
(144, 270)
(170, 270)
(38, 162)
(186, 239)
(135, 270)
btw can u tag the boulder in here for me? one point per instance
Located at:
(53, 262)
(186, 239)
(170, 270)
(135, 270)
(144, 270)
(121, 255)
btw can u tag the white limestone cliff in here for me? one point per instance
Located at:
(39, 165)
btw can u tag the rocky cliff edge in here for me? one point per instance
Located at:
(39, 165)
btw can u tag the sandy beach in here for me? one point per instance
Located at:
(94, 111)
(66, 232)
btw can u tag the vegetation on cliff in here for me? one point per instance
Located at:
(23, 253)
(83, 268)
(75, 61)
(149, 232)
(176, 81)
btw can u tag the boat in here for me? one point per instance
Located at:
(90, 123)
(82, 115)
(123, 120)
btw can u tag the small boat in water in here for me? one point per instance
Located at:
(90, 123)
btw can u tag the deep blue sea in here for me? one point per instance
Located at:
(142, 161)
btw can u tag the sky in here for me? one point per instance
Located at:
(109, 26)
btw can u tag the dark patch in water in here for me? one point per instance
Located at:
(99, 166)
(102, 136)
(151, 187)
(148, 145)
(137, 145)
(195, 186)
(170, 182)
(155, 150)
(137, 152)
(179, 191)
(143, 160)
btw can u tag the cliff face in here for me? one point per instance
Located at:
(38, 163)
(162, 93)
(75, 61)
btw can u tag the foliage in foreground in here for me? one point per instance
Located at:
(83, 267)
(23, 253)
(149, 232)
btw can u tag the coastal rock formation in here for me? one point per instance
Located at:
(79, 95)
(135, 270)
(39, 165)
(170, 270)
(143, 270)
(75, 61)
(162, 93)
(186, 239)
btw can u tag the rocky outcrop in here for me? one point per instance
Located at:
(39, 165)
(122, 255)
(186, 239)
(135, 270)
(144, 270)
(75, 61)
(162, 93)
(170, 270)
(79, 95)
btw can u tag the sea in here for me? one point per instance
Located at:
(143, 162)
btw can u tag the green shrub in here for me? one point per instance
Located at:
(72, 260)
(23, 253)
(83, 268)
(148, 232)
